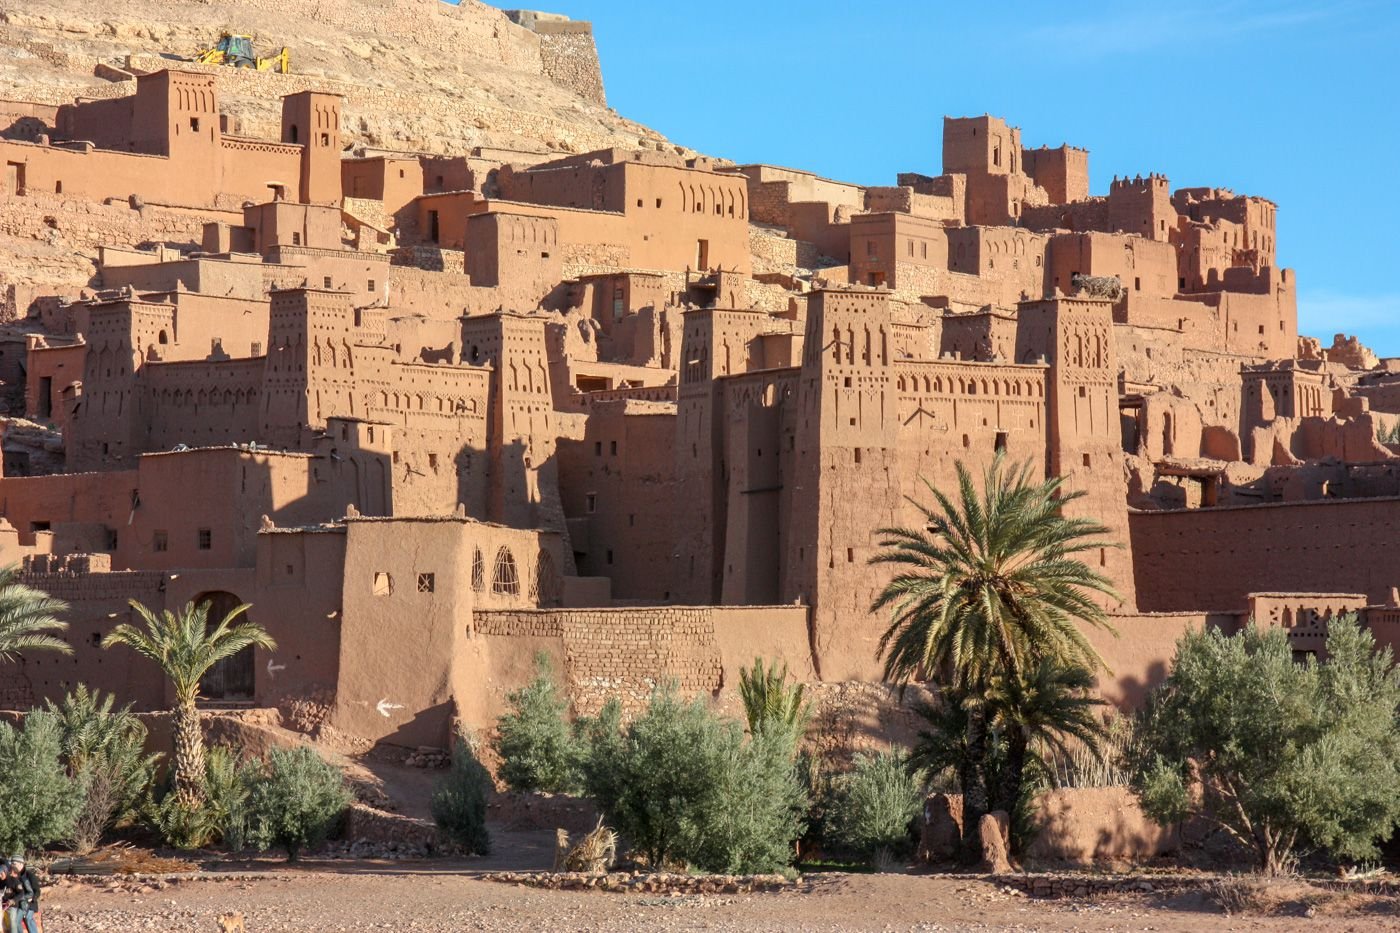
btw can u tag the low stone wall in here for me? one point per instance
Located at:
(1056, 886)
(648, 883)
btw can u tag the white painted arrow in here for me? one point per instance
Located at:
(384, 706)
(272, 669)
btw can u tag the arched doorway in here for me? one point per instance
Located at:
(232, 678)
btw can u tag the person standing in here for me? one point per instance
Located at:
(21, 894)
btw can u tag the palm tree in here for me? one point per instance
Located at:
(186, 647)
(770, 703)
(27, 617)
(1045, 709)
(986, 588)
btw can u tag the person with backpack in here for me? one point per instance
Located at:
(21, 897)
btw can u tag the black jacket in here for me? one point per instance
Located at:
(22, 890)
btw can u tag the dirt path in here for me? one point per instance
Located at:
(437, 897)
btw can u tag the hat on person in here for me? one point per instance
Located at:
(17, 860)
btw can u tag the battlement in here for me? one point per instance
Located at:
(1153, 181)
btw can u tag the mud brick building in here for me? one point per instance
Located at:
(433, 414)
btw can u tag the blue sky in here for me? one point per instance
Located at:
(1289, 100)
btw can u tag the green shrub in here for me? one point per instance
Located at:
(459, 801)
(876, 805)
(682, 785)
(534, 741)
(103, 748)
(295, 799)
(1284, 753)
(39, 802)
(754, 813)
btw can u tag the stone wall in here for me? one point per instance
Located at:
(571, 59)
(626, 652)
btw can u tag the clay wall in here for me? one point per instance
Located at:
(1063, 172)
(1142, 206)
(1013, 258)
(774, 191)
(982, 145)
(49, 383)
(97, 602)
(617, 486)
(1145, 267)
(1257, 218)
(1090, 825)
(984, 336)
(408, 626)
(26, 121)
(228, 278)
(649, 194)
(1193, 559)
(905, 200)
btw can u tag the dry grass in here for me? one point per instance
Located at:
(122, 860)
(1242, 895)
(595, 853)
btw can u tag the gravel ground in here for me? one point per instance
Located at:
(439, 898)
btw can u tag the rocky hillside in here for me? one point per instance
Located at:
(416, 74)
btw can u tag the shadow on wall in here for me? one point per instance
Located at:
(428, 727)
(1084, 825)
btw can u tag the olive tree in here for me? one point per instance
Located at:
(1275, 751)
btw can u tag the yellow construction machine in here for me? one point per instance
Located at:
(238, 51)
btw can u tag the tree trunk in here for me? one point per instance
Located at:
(189, 753)
(974, 783)
(1008, 789)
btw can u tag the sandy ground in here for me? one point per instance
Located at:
(438, 897)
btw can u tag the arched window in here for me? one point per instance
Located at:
(547, 587)
(505, 579)
(478, 571)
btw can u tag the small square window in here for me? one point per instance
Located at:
(609, 555)
(658, 202)
(432, 462)
(591, 500)
(291, 570)
(326, 282)
(612, 448)
(369, 286)
(296, 239)
(1086, 460)
(426, 582)
(383, 583)
(160, 542)
(205, 539)
(111, 539)
(597, 448)
(194, 124)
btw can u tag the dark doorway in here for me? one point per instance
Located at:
(232, 678)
